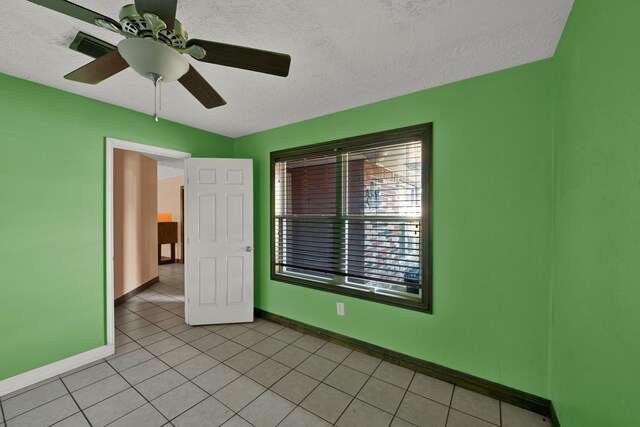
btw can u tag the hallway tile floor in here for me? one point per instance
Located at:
(167, 373)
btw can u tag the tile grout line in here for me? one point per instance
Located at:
(195, 385)
(90, 384)
(36, 407)
(132, 366)
(53, 379)
(101, 400)
(380, 379)
(266, 388)
(446, 420)
(175, 335)
(240, 416)
(132, 305)
(322, 382)
(185, 343)
(185, 361)
(168, 391)
(186, 410)
(472, 415)
(355, 396)
(449, 406)
(131, 386)
(149, 322)
(338, 364)
(295, 405)
(395, 414)
(305, 396)
(76, 402)
(93, 383)
(29, 388)
(250, 402)
(171, 368)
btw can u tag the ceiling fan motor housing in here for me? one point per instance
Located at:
(134, 24)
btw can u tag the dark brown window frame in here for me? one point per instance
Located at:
(424, 132)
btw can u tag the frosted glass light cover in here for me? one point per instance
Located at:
(149, 56)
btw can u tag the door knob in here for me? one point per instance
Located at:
(249, 248)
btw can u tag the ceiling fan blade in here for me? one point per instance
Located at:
(75, 11)
(92, 46)
(100, 69)
(164, 9)
(198, 86)
(246, 58)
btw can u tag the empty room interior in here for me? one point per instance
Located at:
(297, 213)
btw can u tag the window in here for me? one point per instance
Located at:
(353, 216)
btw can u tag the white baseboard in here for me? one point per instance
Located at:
(40, 374)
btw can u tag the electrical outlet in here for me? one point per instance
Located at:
(340, 307)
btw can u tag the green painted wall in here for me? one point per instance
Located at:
(596, 294)
(536, 200)
(492, 222)
(52, 215)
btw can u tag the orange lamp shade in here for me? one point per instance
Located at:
(164, 217)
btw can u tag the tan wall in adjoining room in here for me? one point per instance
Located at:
(169, 202)
(135, 229)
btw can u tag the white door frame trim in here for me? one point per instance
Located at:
(112, 144)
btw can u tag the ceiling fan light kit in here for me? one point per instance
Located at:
(154, 44)
(149, 57)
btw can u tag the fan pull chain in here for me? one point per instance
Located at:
(155, 100)
(157, 91)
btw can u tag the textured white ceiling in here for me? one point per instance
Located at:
(344, 53)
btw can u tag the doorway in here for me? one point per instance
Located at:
(217, 275)
(175, 275)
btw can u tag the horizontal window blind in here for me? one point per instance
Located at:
(352, 216)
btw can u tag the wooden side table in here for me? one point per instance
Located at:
(167, 235)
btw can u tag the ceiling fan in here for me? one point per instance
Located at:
(154, 44)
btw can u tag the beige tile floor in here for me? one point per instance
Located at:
(166, 373)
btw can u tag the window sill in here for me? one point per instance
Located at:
(401, 301)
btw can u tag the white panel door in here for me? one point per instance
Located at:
(219, 235)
